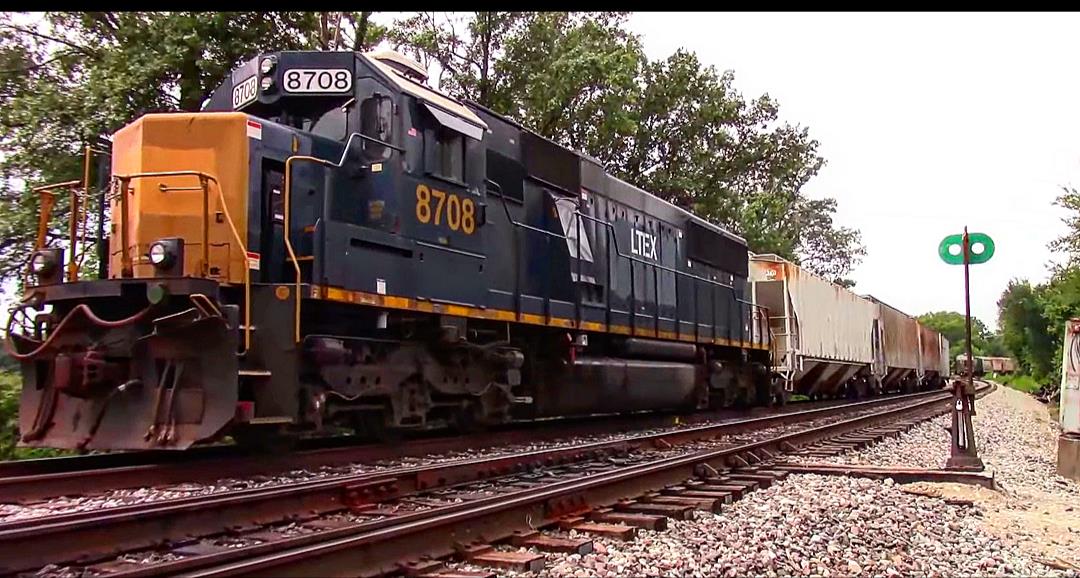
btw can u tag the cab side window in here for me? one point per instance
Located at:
(376, 116)
(449, 154)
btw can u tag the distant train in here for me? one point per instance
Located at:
(984, 365)
(331, 244)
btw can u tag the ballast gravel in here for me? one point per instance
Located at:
(11, 512)
(810, 525)
(1013, 434)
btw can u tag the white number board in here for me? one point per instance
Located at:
(245, 92)
(321, 80)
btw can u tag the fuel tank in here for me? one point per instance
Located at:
(607, 384)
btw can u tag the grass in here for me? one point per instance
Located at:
(1019, 382)
(10, 385)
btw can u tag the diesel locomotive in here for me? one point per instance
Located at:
(332, 244)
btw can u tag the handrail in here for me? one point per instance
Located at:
(45, 213)
(288, 211)
(204, 179)
(74, 262)
(611, 234)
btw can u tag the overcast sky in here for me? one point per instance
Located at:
(928, 122)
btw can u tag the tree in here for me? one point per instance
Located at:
(73, 77)
(952, 325)
(1024, 327)
(1033, 318)
(1069, 243)
(673, 127)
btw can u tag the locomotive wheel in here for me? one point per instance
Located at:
(466, 419)
(779, 394)
(372, 425)
(265, 439)
(763, 394)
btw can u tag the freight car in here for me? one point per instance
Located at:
(332, 244)
(979, 364)
(1000, 365)
(933, 358)
(825, 336)
(829, 341)
(897, 348)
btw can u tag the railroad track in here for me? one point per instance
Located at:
(28, 481)
(380, 521)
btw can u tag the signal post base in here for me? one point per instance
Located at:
(964, 456)
(1068, 456)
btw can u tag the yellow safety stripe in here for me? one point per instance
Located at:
(409, 304)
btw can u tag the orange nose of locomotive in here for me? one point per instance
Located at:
(146, 359)
(165, 160)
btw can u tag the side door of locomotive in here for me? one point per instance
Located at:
(443, 183)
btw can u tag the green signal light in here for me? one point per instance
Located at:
(981, 248)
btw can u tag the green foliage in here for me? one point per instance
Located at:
(1033, 317)
(1019, 381)
(10, 386)
(71, 78)
(952, 326)
(673, 127)
(1025, 329)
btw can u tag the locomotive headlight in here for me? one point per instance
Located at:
(45, 265)
(266, 65)
(266, 83)
(159, 254)
(41, 263)
(167, 257)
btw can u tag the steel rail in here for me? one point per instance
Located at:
(26, 544)
(376, 547)
(34, 480)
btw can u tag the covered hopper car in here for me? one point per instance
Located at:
(827, 340)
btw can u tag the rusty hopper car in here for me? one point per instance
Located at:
(1000, 365)
(896, 343)
(943, 371)
(822, 332)
(933, 357)
(331, 244)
